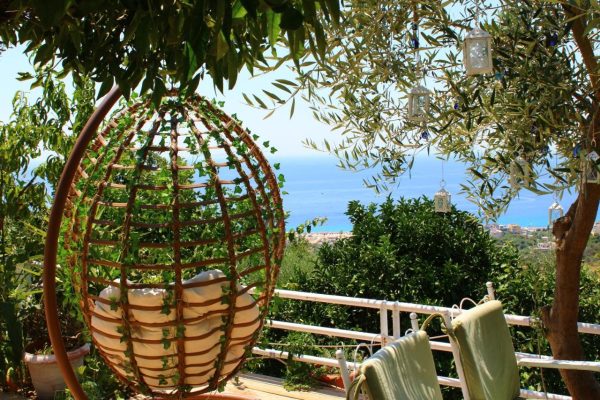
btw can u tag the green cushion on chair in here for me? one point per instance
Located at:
(403, 369)
(487, 353)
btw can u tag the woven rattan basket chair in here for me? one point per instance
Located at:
(175, 230)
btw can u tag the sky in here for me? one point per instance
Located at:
(287, 136)
(284, 133)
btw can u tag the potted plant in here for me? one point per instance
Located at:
(45, 374)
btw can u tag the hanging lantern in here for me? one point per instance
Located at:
(418, 103)
(520, 173)
(590, 168)
(441, 200)
(477, 52)
(555, 211)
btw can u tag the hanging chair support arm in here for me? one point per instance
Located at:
(51, 245)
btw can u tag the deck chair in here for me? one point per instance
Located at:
(486, 357)
(404, 369)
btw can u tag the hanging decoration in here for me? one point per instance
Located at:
(477, 49)
(419, 96)
(442, 199)
(177, 230)
(555, 211)
(418, 103)
(590, 168)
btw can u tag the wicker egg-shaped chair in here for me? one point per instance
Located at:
(175, 231)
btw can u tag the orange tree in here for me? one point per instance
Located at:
(530, 124)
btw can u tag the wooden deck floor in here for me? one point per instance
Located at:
(255, 387)
(262, 387)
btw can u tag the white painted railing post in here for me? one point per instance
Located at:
(383, 323)
(414, 322)
(457, 361)
(397, 332)
(339, 354)
(490, 291)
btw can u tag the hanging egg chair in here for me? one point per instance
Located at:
(175, 231)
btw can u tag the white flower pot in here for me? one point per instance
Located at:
(45, 373)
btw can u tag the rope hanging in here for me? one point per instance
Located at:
(174, 218)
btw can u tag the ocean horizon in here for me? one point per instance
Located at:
(316, 187)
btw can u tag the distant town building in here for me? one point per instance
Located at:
(496, 232)
(596, 229)
(514, 228)
(325, 237)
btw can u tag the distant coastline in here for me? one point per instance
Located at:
(316, 187)
(495, 230)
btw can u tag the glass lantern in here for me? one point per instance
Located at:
(418, 103)
(555, 211)
(477, 52)
(441, 201)
(590, 168)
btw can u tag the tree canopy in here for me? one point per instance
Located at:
(531, 115)
(159, 43)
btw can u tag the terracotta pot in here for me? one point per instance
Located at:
(45, 373)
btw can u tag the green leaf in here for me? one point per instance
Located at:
(159, 91)
(238, 11)
(321, 41)
(273, 26)
(8, 312)
(293, 107)
(50, 12)
(105, 87)
(291, 19)
(232, 69)
(250, 6)
(222, 46)
(333, 6)
(23, 76)
(310, 11)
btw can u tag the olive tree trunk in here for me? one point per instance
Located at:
(560, 320)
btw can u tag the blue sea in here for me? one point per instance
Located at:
(318, 188)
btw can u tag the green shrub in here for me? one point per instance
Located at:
(399, 251)
(405, 251)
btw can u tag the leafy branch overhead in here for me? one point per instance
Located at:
(160, 43)
(535, 107)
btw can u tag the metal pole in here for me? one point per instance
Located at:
(51, 246)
